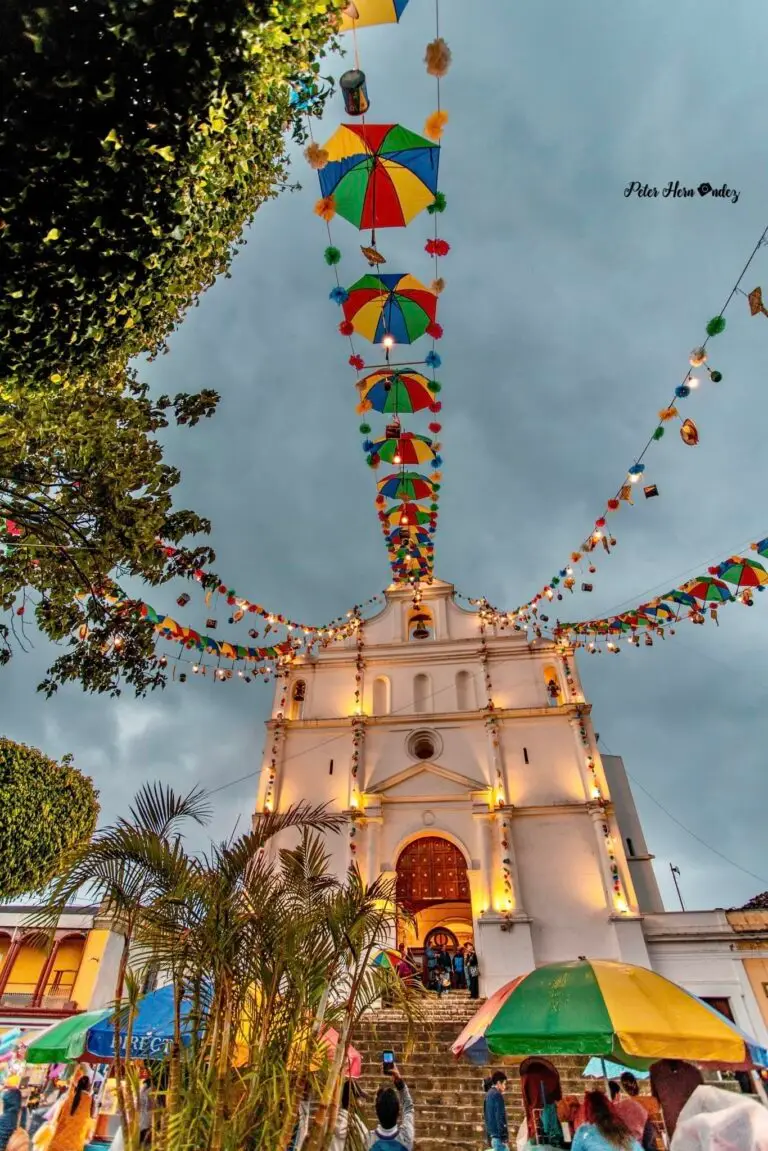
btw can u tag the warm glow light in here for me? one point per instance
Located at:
(396, 460)
(569, 571)
(597, 536)
(634, 478)
(268, 804)
(693, 381)
(499, 797)
(388, 342)
(621, 904)
(595, 792)
(354, 801)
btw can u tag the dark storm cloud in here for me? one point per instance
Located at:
(569, 314)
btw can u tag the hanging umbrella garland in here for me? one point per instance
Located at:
(685, 602)
(364, 13)
(397, 392)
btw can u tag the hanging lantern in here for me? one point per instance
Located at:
(689, 433)
(393, 430)
(354, 92)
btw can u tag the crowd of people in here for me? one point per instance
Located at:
(458, 969)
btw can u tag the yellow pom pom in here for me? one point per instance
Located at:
(316, 156)
(437, 286)
(667, 414)
(326, 208)
(433, 128)
(437, 57)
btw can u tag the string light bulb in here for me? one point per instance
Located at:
(388, 342)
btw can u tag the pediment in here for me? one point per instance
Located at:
(425, 779)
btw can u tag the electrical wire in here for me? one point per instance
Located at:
(687, 830)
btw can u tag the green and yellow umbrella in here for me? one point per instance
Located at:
(614, 1010)
(364, 13)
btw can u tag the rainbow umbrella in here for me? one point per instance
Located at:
(391, 304)
(708, 590)
(387, 957)
(408, 514)
(379, 175)
(414, 540)
(407, 449)
(390, 391)
(677, 595)
(743, 572)
(406, 486)
(761, 547)
(613, 1010)
(364, 13)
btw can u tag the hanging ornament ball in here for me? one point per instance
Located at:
(689, 433)
(697, 357)
(332, 255)
(715, 377)
(716, 325)
(437, 286)
(658, 434)
(682, 391)
(437, 57)
(365, 429)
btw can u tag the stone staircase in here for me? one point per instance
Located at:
(447, 1093)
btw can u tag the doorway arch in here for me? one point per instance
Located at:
(540, 1081)
(441, 938)
(433, 890)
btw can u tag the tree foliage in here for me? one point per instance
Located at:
(138, 138)
(46, 810)
(266, 948)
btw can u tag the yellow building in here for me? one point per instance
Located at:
(76, 972)
(750, 925)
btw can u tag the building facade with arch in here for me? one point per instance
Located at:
(468, 770)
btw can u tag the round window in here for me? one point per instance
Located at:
(424, 745)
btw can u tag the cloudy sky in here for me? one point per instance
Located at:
(569, 315)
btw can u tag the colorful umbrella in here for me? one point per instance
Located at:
(414, 540)
(677, 595)
(387, 957)
(151, 1031)
(329, 1040)
(598, 1007)
(761, 547)
(406, 486)
(390, 391)
(379, 175)
(363, 13)
(407, 449)
(743, 572)
(391, 304)
(408, 514)
(708, 589)
(64, 1041)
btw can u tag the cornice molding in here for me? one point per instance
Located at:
(432, 718)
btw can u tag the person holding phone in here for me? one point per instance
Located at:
(394, 1110)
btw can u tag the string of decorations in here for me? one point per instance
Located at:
(379, 176)
(278, 733)
(600, 534)
(596, 795)
(358, 737)
(243, 606)
(734, 580)
(492, 724)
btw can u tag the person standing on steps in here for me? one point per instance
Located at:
(395, 1130)
(495, 1112)
(473, 973)
(445, 965)
(458, 969)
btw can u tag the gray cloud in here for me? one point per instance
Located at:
(569, 314)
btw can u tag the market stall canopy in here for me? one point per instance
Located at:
(599, 1007)
(64, 1041)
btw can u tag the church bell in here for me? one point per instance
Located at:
(420, 631)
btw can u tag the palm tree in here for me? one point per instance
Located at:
(265, 950)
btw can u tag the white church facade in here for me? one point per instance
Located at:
(465, 760)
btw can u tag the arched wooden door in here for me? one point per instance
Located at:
(441, 939)
(431, 870)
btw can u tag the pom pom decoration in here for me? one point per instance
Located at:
(434, 330)
(436, 407)
(326, 208)
(682, 390)
(438, 204)
(367, 445)
(715, 376)
(437, 286)
(636, 470)
(658, 434)
(316, 156)
(338, 295)
(697, 357)
(716, 325)
(435, 386)
(365, 429)
(437, 57)
(437, 247)
(435, 428)
(432, 360)
(435, 124)
(667, 414)
(332, 256)
(346, 327)
(689, 433)
(612, 505)
(374, 461)
(357, 362)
